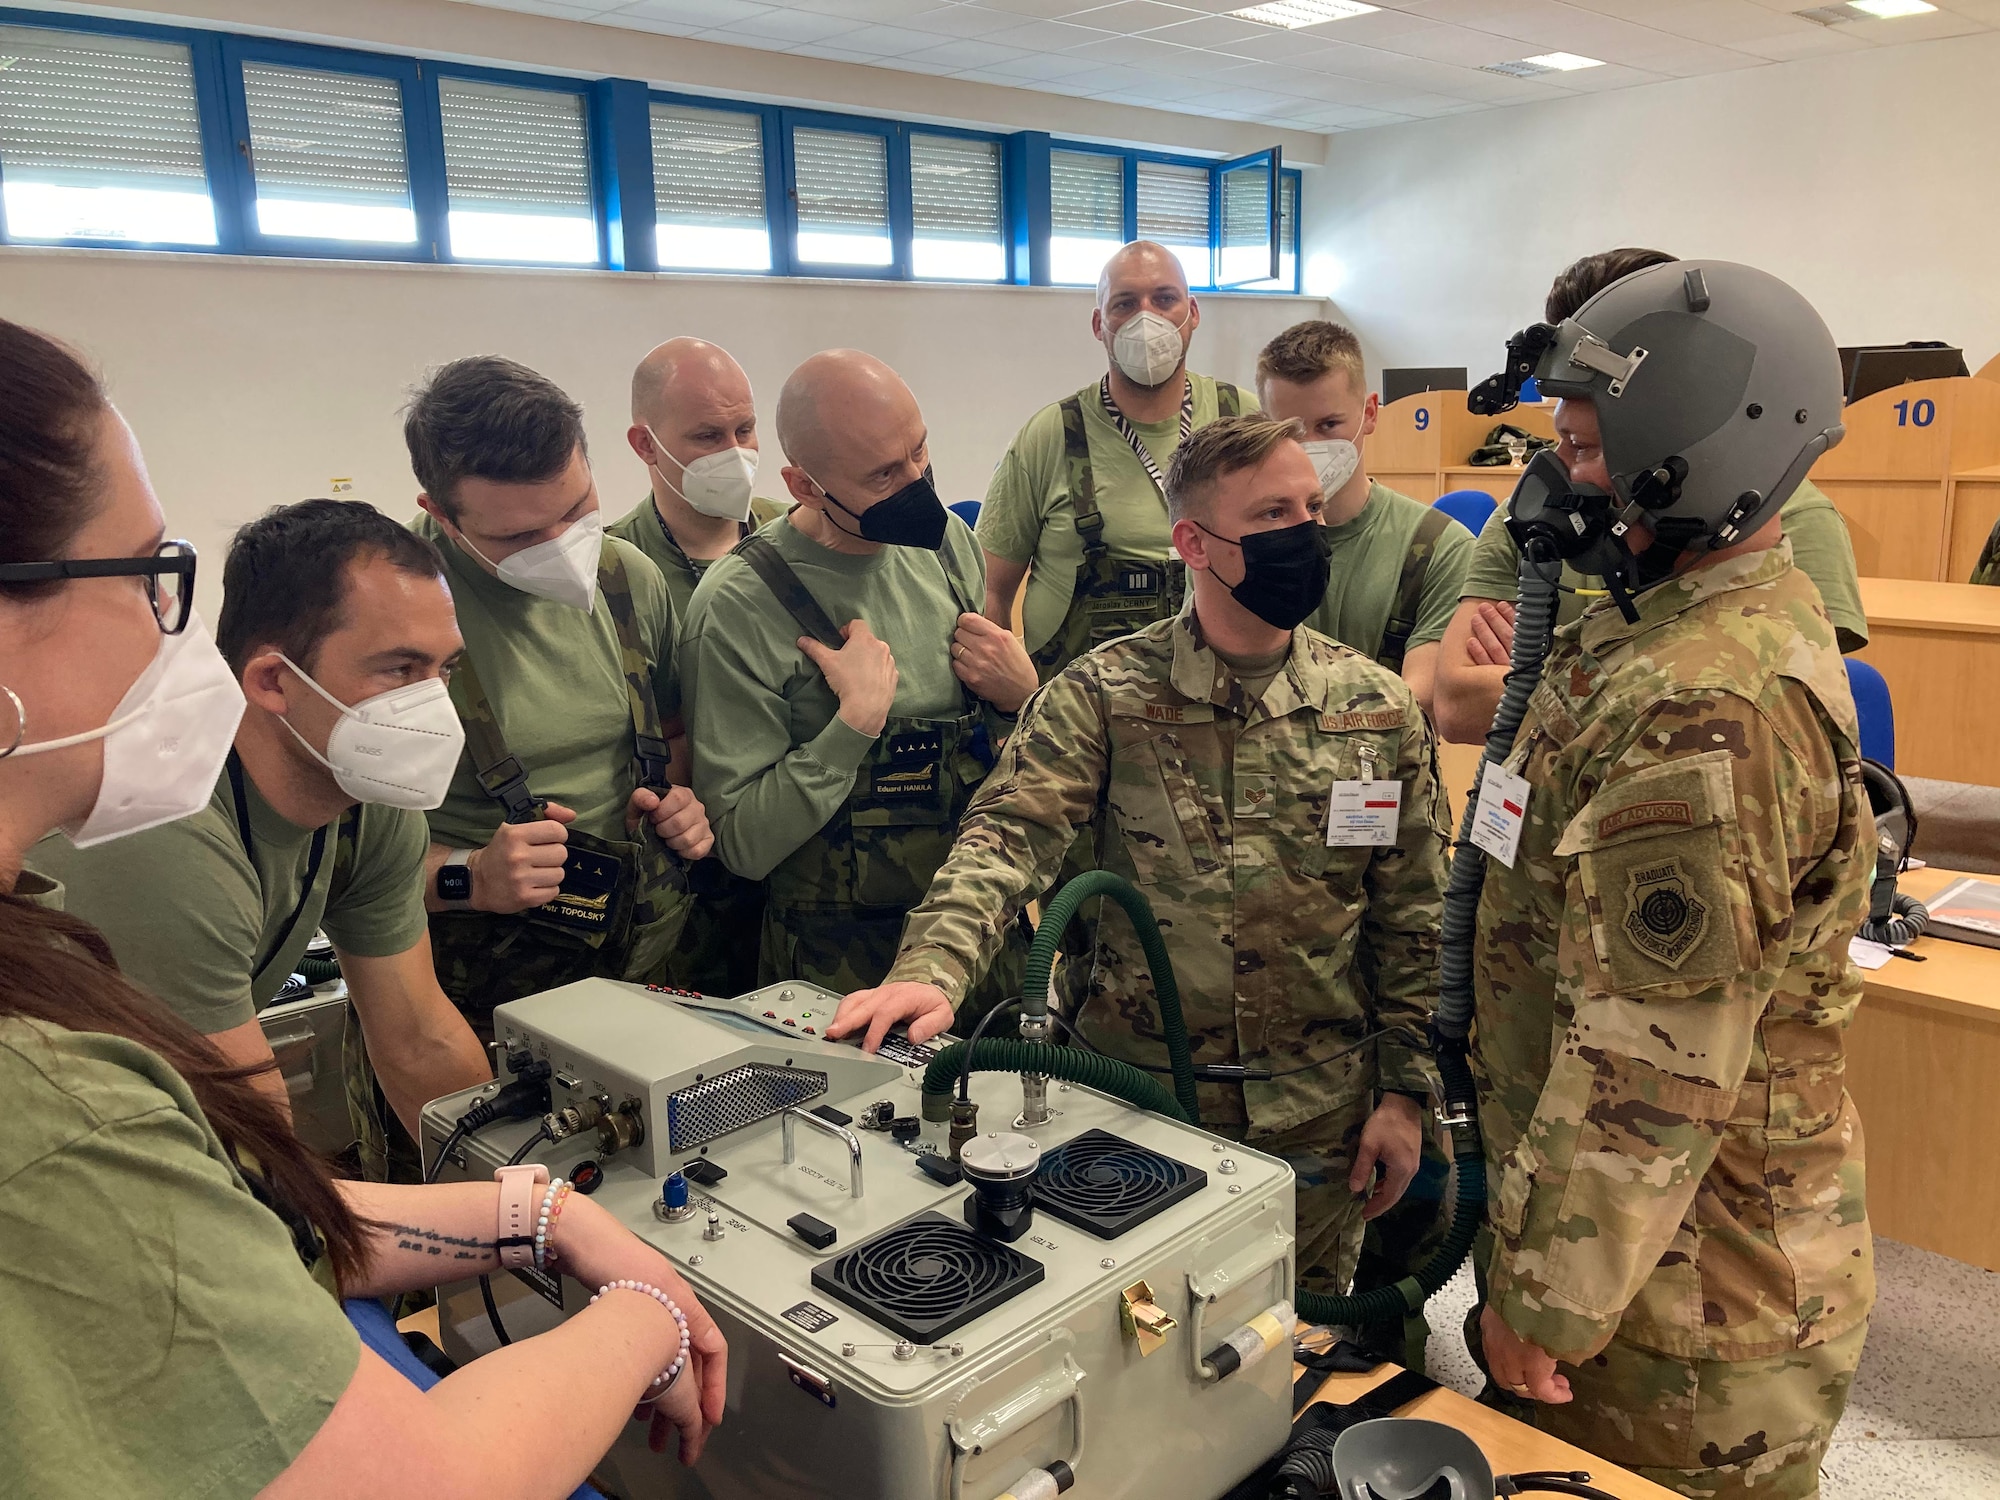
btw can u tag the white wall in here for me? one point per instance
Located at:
(256, 382)
(1867, 179)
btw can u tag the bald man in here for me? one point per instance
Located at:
(843, 694)
(694, 427)
(1077, 505)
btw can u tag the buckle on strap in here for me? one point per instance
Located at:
(507, 784)
(653, 760)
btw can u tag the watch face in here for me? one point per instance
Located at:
(454, 883)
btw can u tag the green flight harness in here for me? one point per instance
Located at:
(622, 900)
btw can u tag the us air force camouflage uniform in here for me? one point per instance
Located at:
(1662, 983)
(1286, 950)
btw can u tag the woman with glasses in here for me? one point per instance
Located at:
(161, 1329)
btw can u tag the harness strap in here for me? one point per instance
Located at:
(318, 852)
(1410, 589)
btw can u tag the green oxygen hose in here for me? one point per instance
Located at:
(1141, 1090)
(1041, 958)
(319, 970)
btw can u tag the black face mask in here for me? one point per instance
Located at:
(912, 517)
(1285, 572)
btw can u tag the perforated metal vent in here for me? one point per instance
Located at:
(708, 1110)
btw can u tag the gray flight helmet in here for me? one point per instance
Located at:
(1716, 387)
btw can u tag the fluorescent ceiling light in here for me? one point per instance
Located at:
(1889, 10)
(1565, 62)
(1292, 14)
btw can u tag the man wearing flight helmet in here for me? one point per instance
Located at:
(1680, 1274)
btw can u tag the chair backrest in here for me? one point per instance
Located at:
(1875, 710)
(966, 510)
(1469, 508)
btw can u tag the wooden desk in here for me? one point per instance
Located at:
(1420, 444)
(1890, 477)
(1512, 1447)
(1497, 481)
(1923, 1057)
(1974, 507)
(1938, 644)
(1990, 370)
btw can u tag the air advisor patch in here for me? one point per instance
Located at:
(1664, 918)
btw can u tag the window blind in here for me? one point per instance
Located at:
(1087, 195)
(328, 154)
(955, 187)
(99, 138)
(1246, 207)
(708, 167)
(513, 150)
(1173, 203)
(842, 179)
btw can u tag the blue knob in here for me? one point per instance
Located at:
(674, 1191)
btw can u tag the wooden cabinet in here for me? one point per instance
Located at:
(1421, 443)
(1938, 646)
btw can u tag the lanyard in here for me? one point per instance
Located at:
(250, 849)
(1131, 434)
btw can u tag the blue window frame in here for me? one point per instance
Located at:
(306, 150)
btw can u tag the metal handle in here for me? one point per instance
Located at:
(974, 1435)
(826, 1127)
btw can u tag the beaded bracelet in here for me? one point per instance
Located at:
(545, 1223)
(663, 1382)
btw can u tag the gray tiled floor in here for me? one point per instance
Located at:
(1924, 1415)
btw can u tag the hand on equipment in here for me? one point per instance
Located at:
(523, 865)
(861, 673)
(1518, 1366)
(924, 1006)
(991, 660)
(677, 817)
(1393, 1139)
(1492, 640)
(597, 1250)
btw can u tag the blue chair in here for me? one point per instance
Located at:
(1877, 713)
(966, 510)
(1470, 508)
(378, 1331)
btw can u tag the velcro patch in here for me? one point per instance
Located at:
(1646, 815)
(1382, 718)
(1166, 713)
(1664, 918)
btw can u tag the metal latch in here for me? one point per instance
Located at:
(1143, 1318)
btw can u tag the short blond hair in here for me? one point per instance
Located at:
(1306, 351)
(1222, 448)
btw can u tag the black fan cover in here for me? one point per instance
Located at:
(926, 1277)
(1105, 1185)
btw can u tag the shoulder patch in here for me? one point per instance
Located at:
(1646, 815)
(1384, 718)
(1664, 918)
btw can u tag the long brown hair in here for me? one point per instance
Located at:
(55, 968)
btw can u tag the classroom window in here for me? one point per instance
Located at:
(517, 172)
(841, 183)
(1173, 211)
(955, 208)
(100, 140)
(1245, 250)
(1086, 213)
(328, 156)
(1288, 240)
(708, 189)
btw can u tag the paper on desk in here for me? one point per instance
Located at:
(1867, 955)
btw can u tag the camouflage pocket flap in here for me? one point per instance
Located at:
(1687, 793)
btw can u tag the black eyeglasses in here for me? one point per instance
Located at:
(170, 571)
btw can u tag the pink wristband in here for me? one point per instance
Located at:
(514, 1234)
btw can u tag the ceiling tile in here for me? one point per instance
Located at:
(785, 26)
(691, 15)
(1040, 10)
(1815, 41)
(1209, 31)
(887, 41)
(1047, 36)
(1040, 67)
(961, 20)
(881, 12)
(1128, 16)
(1143, 52)
(966, 52)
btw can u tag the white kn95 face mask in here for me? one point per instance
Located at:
(564, 568)
(397, 749)
(1147, 348)
(716, 484)
(1335, 460)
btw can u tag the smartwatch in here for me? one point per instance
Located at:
(520, 1195)
(454, 878)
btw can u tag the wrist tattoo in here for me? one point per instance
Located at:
(421, 1241)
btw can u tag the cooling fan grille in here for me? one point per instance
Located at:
(926, 1277)
(1105, 1184)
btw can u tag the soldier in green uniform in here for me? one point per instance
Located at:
(1236, 766)
(339, 627)
(1397, 563)
(844, 696)
(694, 426)
(559, 850)
(1077, 505)
(1481, 632)
(1681, 1273)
